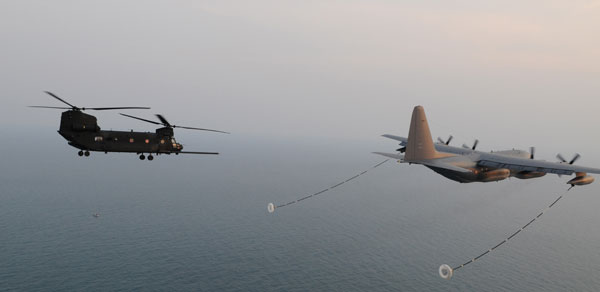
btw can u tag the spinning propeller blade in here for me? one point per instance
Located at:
(573, 160)
(447, 142)
(473, 147)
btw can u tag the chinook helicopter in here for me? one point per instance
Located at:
(82, 132)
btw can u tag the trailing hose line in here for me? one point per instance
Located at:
(447, 272)
(271, 207)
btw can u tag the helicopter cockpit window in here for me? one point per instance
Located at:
(98, 138)
(173, 140)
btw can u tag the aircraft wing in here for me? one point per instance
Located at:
(397, 138)
(440, 163)
(523, 164)
(390, 155)
(189, 152)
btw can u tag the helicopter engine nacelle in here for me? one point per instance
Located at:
(581, 179)
(495, 175)
(166, 131)
(78, 121)
(529, 174)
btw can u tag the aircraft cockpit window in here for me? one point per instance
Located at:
(98, 138)
(173, 140)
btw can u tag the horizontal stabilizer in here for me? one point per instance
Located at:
(397, 138)
(390, 155)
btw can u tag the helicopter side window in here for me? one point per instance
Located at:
(98, 138)
(162, 141)
(147, 141)
(131, 140)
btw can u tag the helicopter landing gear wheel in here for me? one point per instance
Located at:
(142, 157)
(86, 153)
(80, 153)
(150, 157)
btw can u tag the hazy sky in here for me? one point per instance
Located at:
(511, 73)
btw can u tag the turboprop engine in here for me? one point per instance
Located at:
(581, 179)
(495, 175)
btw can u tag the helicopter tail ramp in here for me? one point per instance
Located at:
(419, 146)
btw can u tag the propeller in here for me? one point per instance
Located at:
(166, 123)
(76, 108)
(473, 147)
(563, 160)
(447, 142)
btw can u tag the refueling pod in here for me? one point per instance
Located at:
(581, 179)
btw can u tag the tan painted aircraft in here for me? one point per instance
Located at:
(465, 164)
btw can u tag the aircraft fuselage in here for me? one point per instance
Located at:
(466, 158)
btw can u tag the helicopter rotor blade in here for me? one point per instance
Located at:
(114, 108)
(163, 120)
(560, 158)
(53, 107)
(167, 124)
(200, 129)
(60, 99)
(148, 121)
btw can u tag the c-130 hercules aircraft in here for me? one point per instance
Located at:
(465, 164)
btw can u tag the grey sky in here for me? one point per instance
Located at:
(511, 73)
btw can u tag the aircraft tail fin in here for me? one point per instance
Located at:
(420, 144)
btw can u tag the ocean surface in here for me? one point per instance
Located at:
(200, 223)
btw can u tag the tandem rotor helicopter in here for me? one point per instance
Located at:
(82, 132)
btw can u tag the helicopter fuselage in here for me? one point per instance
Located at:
(82, 132)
